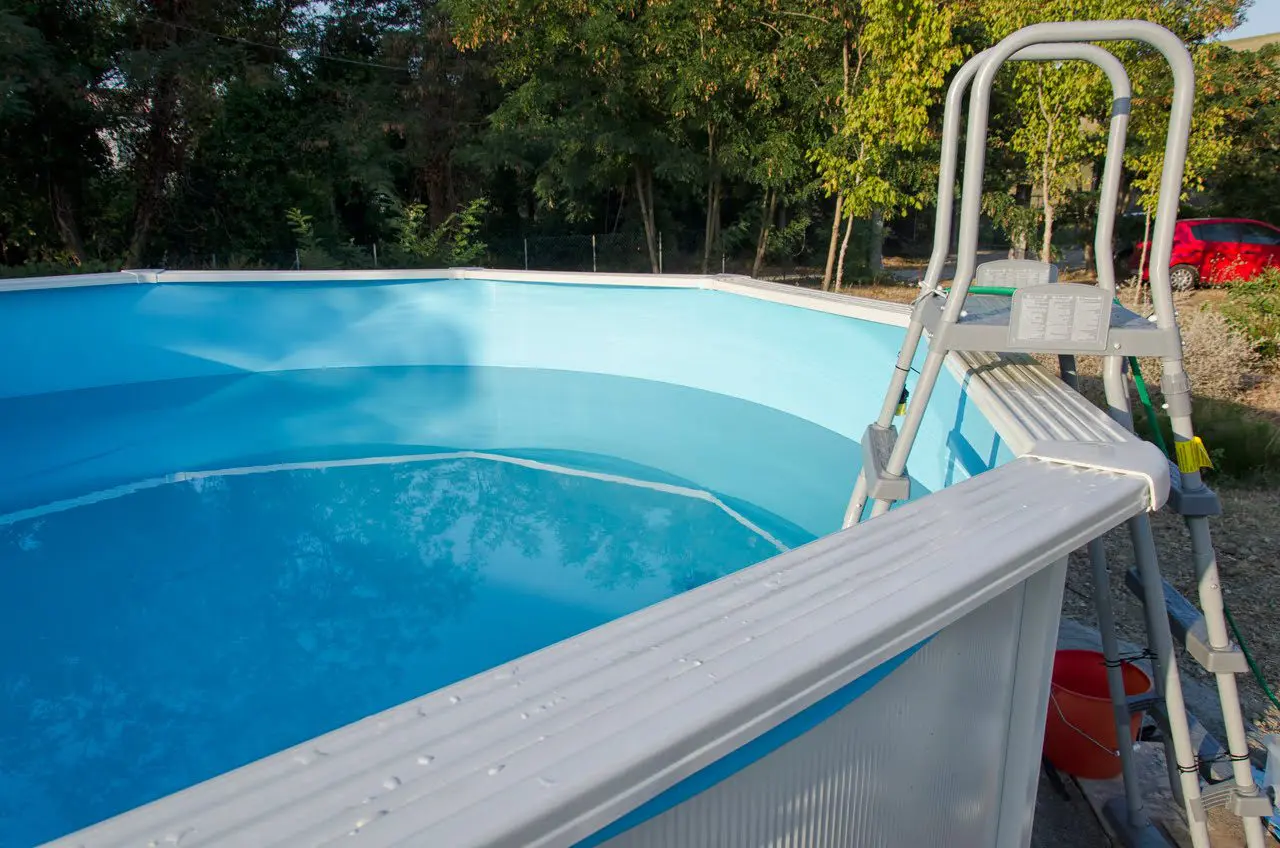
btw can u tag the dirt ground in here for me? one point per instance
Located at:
(1247, 539)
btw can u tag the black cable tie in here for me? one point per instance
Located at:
(1146, 654)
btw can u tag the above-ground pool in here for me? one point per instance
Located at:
(237, 513)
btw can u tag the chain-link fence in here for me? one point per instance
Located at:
(675, 252)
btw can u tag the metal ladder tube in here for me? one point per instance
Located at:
(937, 261)
(952, 114)
(967, 251)
(1115, 682)
(1173, 382)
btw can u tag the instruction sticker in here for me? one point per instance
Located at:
(1062, 317)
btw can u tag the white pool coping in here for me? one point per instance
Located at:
(547, 750)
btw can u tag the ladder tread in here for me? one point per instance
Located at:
(984, 326)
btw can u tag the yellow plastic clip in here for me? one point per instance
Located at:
(1192, 456)
(902, 401)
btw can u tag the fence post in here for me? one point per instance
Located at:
(297, 259)
(593, 253)
(659, 253)
(526, 254)
(722, 262)
(215, 261)
(375, 254)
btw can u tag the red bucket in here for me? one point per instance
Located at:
(1080, 733)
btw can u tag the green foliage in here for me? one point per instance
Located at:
(1017, 220)
(455, 242)
(311, 255)
(1253, 307)
(56, 267)
(900, 57)
(1243, 87)
(154, 133)
(1243, 445)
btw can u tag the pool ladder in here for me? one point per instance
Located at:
(1071, 319)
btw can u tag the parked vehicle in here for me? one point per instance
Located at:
(1215, 251)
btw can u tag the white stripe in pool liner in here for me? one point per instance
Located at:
(188, 476)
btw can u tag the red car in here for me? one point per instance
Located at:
(1217, 250)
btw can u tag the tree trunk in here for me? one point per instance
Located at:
(622, 204)
(1046, 199)
(438, 211)
(1142, 259)
(160, 156)
(844, 249)
(713, 189)
(833, 244)
(766, 225)
(1018, 249)
(875, 260)
(644, 194)
(64, 216)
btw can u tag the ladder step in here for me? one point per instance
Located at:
(877, 444)
(1015, 273)
(1227, 794)
(1189, 628)
(985, 325)
(1202, 501)
(1229, 660)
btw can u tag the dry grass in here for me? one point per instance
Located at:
(1220, 361)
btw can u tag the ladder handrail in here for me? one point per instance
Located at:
(1121, 94)
(1179, 61)
(1120, 90)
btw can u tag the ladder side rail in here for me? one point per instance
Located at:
(1175, 148)
(977, 67)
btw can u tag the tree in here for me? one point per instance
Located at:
(898, 53)
(1058, 111)
(586, 91)
(1243, 88)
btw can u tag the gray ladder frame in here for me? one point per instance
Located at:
(883, 477)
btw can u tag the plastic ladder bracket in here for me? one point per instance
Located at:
(877, 445)
(1197, 502)
(1227, 794)
(1228, 660)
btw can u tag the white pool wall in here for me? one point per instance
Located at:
(820, 367)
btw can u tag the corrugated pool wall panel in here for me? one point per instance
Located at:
(924, 749)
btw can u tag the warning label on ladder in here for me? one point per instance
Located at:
(1060, 317)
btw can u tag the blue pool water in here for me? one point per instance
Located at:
(162, 631)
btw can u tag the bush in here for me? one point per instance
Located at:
(1253, 307)
(58, 268)
(1242, 444)
(455, 242)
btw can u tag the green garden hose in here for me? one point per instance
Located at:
(1157, 434)
(1248, 657)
